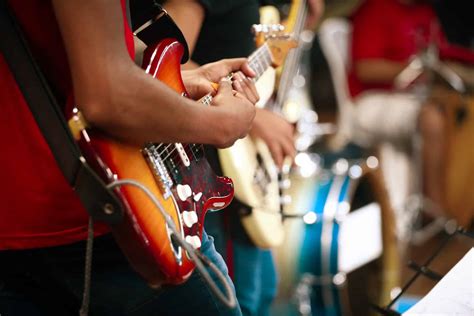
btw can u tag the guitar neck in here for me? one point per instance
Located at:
(260, 60)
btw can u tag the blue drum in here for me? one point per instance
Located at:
(312, 278)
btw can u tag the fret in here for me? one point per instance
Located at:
(261, 70)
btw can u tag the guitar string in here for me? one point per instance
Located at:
(205, 101)
(262, 55)
(175, 162)
(191, 147)
(194, 148)
(256, 58)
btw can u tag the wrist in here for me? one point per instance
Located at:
(208, 124)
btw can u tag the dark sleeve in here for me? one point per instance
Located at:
(274, 2)
(217, 7)
(142, 11)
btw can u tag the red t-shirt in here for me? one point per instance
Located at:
(388, 29)
(38, 208)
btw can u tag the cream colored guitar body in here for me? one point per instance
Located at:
(265, 86)
(249, 163)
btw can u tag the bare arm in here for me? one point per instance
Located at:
(315, 11)
(274, 130)
(121, 99)
(378, 70)
(189, 15)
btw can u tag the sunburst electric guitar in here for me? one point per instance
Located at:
(178, 175)
(249, 160)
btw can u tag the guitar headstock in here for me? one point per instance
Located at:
(278, 41)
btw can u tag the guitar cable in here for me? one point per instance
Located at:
(227, 298)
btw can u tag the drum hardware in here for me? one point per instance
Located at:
(428, 63)
(416, 205)
(309, 130)
(424, 270)
(452, 231)
(428, 60)
(304, 289)
(300, 255)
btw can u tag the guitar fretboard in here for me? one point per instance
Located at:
(260, 60)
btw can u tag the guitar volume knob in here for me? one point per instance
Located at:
(285, 184)
(189, 218)
(285, 199)
(194, 241)
(183, 191)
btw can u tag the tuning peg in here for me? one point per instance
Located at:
(277, 27)
(267, 28)
(259, 28)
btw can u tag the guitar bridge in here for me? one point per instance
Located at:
(160, 172)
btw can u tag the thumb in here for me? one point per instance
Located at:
(236, 64)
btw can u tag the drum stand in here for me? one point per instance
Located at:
(426, 62)
(304, 290)
(424, 269)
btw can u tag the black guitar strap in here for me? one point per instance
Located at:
(151, 23)
(100, 202)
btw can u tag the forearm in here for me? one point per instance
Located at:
(378, 70)
(115, 95)
(189, 16)
(142, 109)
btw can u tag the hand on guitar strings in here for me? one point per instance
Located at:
(245, 85)
(201, 81)
(239, 113)
(277, 133)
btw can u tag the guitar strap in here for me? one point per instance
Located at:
(151, 23)
(100, 202)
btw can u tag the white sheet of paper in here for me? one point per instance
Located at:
(360, 238)
(453, 295)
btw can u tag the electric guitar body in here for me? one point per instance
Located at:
(178, 176)
(249, 161)
(256, 184)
